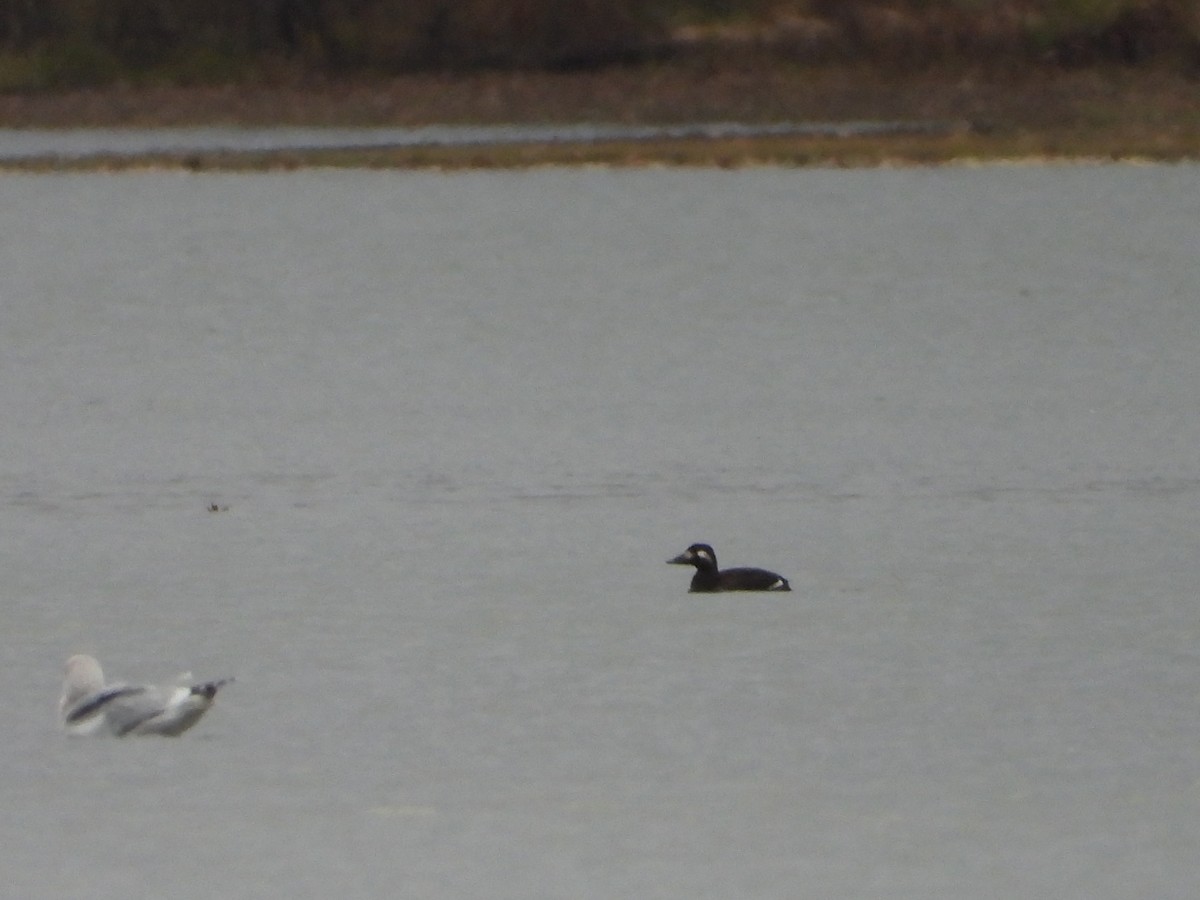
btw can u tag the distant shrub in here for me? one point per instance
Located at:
(69, 42)
(1125, 31)
(77, 62)
(406, 34)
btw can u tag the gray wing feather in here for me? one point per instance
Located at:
(102, 701)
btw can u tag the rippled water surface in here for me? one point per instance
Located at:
(453, 425)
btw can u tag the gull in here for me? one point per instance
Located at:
(89, 707)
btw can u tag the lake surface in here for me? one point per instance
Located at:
(455, 424)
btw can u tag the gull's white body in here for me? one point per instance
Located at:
(89, 707)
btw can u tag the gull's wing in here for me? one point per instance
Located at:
(93, 710)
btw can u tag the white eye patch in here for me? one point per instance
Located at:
(703, 554)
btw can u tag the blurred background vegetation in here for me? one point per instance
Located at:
(49, 44)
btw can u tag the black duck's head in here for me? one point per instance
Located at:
(699, 555)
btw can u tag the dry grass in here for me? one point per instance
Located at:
(1112, 112)
(745, 91)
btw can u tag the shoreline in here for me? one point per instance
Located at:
(1042, 113)
(835, 152)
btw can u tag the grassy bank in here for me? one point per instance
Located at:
(1103, 112)
(1107, 79)
(722, 153)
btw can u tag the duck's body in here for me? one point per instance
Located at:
(710, 580)
(90, 707)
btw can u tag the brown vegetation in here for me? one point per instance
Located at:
(72, 43)
(1099, 78)
(1099, 113)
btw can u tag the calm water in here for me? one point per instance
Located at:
(460, 421)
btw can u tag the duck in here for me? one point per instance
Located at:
(709, 579)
